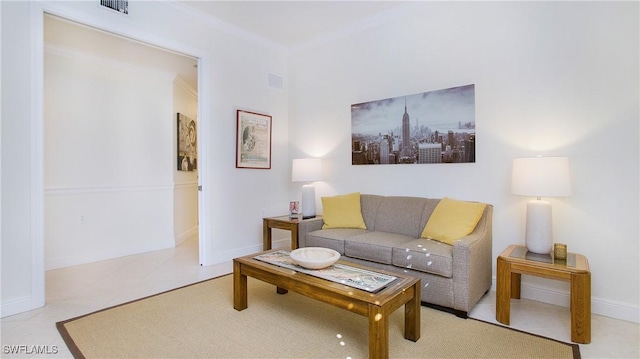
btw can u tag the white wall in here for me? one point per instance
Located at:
(185, 193)
(552, 78)
(19, 292)
(108, 156)
(233, 74)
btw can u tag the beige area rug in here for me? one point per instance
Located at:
(198, 321)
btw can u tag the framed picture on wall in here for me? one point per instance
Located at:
(424, 128)
(187, 144)
(253, 140)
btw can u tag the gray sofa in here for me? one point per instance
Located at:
(453, 277)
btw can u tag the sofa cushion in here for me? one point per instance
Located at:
(404, 215)
(374, 246)
(425, 255)
(369, 204)
(452, 220)
(331, 238)
(342, 211)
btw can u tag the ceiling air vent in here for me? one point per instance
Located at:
(117, 5)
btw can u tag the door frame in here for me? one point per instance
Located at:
(36, 118)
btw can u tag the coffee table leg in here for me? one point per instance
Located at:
(281, 290)
(239, 287)
(412, 315)
(378, 333)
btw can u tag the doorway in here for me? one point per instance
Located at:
(110, 127)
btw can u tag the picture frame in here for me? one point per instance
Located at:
(434, 127)
(294, 208)
(187, 136)
(253, 140)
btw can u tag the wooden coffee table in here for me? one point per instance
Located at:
(376, 306)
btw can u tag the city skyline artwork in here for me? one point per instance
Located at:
(430, 127)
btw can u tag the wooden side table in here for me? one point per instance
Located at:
(282, 222)
(516, 260)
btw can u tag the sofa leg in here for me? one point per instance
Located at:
(460, 314)
(457, 313)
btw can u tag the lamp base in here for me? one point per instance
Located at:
(308, 201)
(538, 235)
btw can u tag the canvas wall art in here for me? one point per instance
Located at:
(187, 144)
(430, 127)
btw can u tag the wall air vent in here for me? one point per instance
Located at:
(117, 5)
(275, 81)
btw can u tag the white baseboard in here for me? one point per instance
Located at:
(227, 256)
(91, 257)
(600, 306)
(281, 243)
(19, 305)
(192, 232)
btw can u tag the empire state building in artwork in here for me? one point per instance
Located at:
(406, 134)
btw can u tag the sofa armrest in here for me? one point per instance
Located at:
(472, 263)
(308, 225)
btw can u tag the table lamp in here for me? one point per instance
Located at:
(540, 177)
(307, 170)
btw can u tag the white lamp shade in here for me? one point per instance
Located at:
(306, 170)
(541, 177)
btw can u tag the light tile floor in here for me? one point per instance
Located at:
(78, 290)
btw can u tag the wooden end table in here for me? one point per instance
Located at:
(516, 260)
(377, 306)
(282, 222)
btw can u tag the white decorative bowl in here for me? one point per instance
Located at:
(314, 257)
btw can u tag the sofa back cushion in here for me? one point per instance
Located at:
(402, 215)
(369, 204)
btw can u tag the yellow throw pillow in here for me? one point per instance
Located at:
(342, 211)
(452, 220)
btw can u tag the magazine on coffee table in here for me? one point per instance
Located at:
(351, 276)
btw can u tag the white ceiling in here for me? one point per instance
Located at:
(288, 26)
(292, 24)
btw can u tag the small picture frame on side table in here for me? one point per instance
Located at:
(294, 209)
